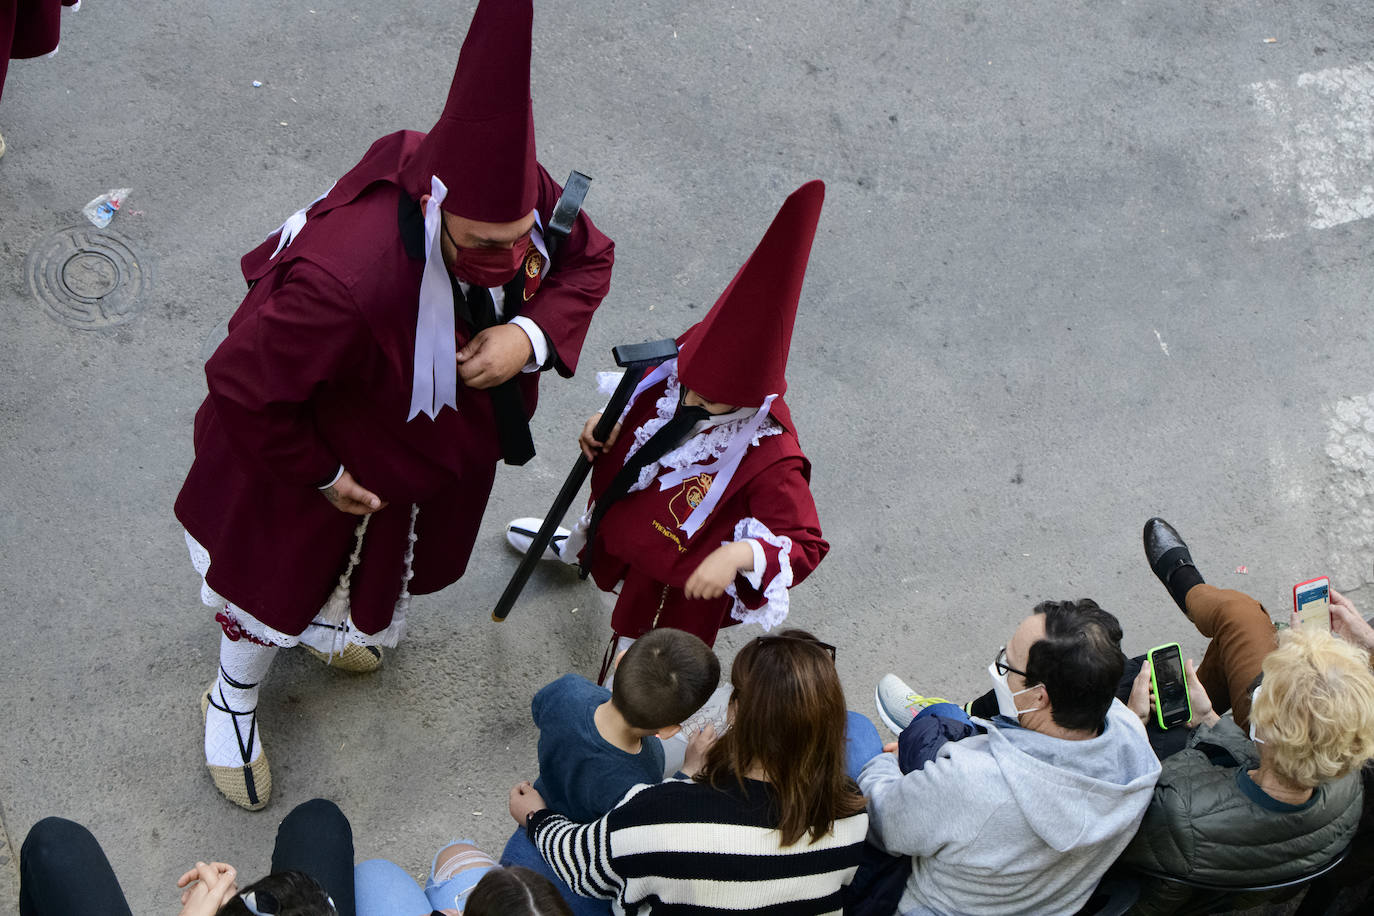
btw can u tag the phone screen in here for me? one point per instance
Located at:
(1171, 690)
(1313, 606)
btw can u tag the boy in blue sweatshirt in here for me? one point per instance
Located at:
(596, 744)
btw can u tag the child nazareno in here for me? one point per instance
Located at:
(595, 744)
(701, 511)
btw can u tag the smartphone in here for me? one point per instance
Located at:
(1172, 707)
(1312, 603)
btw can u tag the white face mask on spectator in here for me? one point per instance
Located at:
(1006, 700)
(1252, 717)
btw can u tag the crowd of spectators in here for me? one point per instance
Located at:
(785, 802)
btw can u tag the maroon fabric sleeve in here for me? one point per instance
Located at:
(305, 333)
(578, 280)
(780, 498)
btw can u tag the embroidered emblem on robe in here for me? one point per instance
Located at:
(534, 267)
(689, 496)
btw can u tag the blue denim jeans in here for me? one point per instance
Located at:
(861, 744)
(520, 851)
(385, 889)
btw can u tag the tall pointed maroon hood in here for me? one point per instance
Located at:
(482, 147)
(737, 354)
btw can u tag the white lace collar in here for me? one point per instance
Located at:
(711, 438)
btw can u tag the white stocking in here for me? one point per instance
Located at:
(242, 666)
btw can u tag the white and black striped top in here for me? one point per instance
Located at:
(685, 849)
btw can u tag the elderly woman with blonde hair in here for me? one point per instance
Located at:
(1237, 808)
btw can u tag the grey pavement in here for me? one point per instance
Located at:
(1080, 264)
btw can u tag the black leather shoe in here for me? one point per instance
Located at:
(1167, 553)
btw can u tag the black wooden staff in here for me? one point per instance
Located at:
(635, 359)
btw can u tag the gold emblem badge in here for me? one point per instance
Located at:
(534, 266)
(689, 496)
(534, 262)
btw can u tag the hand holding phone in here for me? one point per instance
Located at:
(1312, 604)
(1172, 705)
(1347, 623)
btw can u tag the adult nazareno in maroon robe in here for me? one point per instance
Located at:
(316, 372)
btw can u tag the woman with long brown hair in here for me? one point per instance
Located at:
(768, 817)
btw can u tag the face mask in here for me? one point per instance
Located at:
(489, 267)
(1006, 700)
(1252, 718)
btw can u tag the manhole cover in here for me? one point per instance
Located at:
(87, 277)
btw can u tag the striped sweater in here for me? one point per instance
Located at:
(681, 848)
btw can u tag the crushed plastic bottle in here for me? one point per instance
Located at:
(101, 210)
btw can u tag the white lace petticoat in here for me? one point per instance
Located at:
(332, 627)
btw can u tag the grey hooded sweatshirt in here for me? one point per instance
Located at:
(1012, 821)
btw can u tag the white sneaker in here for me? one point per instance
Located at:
(898, 704)
(520, 535)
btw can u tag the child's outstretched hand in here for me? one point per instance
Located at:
(719, 569)
(587, 441)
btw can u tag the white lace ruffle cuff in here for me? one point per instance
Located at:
(775, 608)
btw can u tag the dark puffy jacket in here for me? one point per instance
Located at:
(1208, 822)
(922, 739)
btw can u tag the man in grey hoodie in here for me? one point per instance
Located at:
(1027, 817)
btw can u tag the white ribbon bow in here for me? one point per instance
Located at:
(289, 229)
(436, 351)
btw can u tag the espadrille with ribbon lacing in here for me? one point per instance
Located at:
(250, 785)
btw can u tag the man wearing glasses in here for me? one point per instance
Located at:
(1027, 816)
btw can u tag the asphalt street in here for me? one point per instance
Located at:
(1079, 264)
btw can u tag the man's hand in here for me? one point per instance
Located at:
(524, 801)
(348, 496)
(587, 441)
(1141, 693)
(1347, 623)
(695, 758)
(207, 887)
(1143, 698)
(494, 355)
(719, 569)
(1198, 698)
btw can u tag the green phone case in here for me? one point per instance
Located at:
(1154, 683)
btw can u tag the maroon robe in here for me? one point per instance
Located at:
(317, 372)
(28, 28)
(640, 538)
